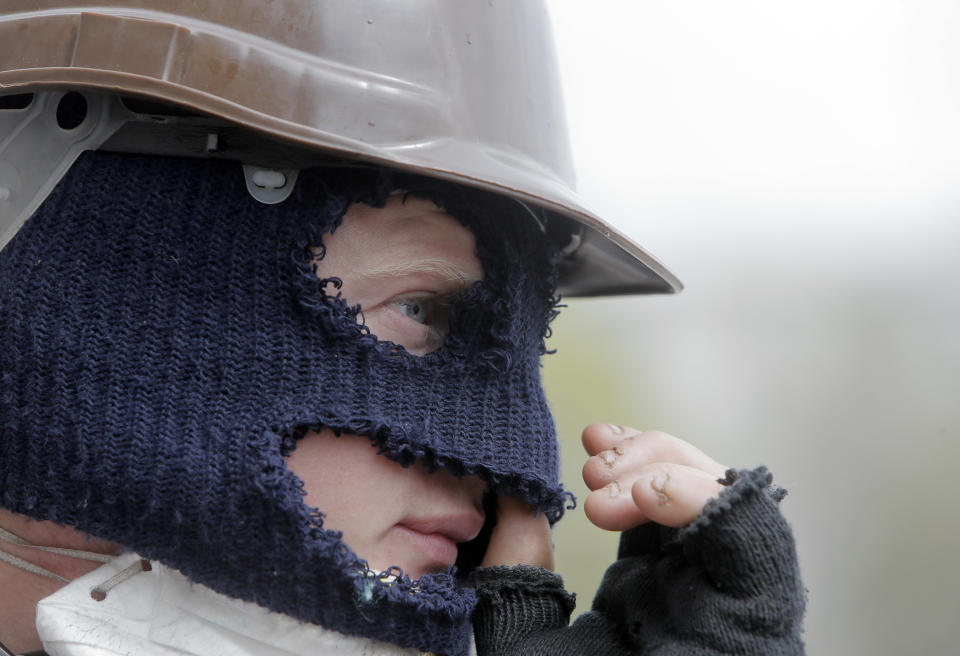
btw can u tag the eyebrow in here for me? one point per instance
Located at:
(437, 266)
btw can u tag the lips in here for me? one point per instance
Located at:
(436, 538)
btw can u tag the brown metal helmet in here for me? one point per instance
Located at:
(462, 91)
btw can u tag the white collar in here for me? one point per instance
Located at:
(161, 613)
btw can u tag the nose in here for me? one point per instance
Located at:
(460, 489)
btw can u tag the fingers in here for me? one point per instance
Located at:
(639, 476)
(665, 493)
(673, 495)
(613, 453)
(598, 436)
(519, 537)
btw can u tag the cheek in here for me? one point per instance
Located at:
(346, 479)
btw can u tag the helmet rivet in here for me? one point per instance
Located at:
(269, 186)
(267, 179)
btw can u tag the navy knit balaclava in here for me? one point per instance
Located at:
(164, 341)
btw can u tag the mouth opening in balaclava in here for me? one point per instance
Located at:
(167, 342)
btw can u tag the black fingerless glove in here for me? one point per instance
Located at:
(525, 610)
(727, 584)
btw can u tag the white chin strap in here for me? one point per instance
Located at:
(9, 558)
(158, 612)
(161, 613)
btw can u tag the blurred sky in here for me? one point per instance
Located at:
(796, 165)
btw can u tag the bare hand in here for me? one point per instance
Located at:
(519, 538)
(638, 476)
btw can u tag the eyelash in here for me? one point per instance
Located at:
(435, 325)
(437, 307)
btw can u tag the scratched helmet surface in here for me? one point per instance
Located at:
(461, 91)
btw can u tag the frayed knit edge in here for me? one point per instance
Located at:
(321, 298)
(339, 318)
(346, 321)
(740, 484)
(429, 592)
(461, 204)
(552, 502)
(370, 587)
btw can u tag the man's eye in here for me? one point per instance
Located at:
(415, 308)
(429, 322)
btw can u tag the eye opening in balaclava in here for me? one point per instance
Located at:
(398, 270)
(165, 337)
(513, 250)
(477, 305)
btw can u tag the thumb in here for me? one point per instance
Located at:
(520, 537)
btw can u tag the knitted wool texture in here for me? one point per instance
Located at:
(728, 583)
(166, 341)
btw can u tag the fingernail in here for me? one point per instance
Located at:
(616, 430)
(659, 485)
(613, 489)
(608, 457)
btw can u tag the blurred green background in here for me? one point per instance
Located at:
(797, 165)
